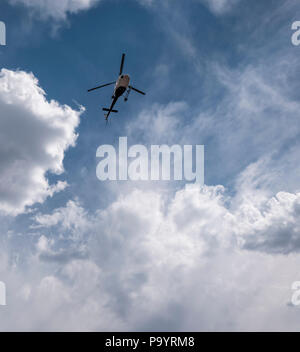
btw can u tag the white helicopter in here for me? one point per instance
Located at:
(121, 86)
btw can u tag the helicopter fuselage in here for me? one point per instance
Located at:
(121, 85)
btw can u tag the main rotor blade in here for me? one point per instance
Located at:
(122, 64)
(103, 85)
(139, 91)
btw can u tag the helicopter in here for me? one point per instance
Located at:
(121, 86)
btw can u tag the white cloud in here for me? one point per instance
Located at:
(254, 123)
(34, 135)
(71, 217)
(220, 7)
(274, 227)
(56, 9)
(59, 9)
(181, 256)
(162, 122)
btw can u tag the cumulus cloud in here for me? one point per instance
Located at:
(34, 134)
(156, 264)
(56, 9)
(274, 227)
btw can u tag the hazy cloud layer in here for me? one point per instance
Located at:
(56, 9)
(59, 9)
(220, 7)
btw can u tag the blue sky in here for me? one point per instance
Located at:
(129, 255)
